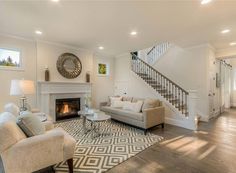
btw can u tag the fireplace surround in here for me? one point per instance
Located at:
(49, 92)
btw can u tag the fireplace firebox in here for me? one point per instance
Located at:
(67, 108)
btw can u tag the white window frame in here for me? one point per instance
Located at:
(20, 68)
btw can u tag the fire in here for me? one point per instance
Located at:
(65, 108)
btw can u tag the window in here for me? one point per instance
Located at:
(10, 58)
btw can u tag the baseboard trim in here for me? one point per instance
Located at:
(184, 123)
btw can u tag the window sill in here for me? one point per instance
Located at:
(12, 68)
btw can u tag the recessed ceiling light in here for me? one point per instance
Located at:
(101, 47)
(203, 2)
(54, 0)
(225, 31)
(38, 32)
(133, 33)
(232, 44)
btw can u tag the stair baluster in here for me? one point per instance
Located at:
(172, 92)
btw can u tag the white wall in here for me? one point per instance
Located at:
(28, 55)
(188, 68)
(103, 86)
(47, 55)
(37, 55)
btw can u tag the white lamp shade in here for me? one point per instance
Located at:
(22, 87)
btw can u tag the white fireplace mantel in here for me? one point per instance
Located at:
(48, 92)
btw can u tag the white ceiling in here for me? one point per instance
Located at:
(88, 24)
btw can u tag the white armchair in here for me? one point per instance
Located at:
(24, 155)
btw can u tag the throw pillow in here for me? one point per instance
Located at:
(135, 107)
(150, 103)
(30, 124)
(112, 99)
(118, 104)
(127, 99)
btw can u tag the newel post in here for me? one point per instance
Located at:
(192, 110)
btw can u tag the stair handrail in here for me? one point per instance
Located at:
(173, 83)
(151, 50)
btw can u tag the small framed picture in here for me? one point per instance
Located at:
(103, 69)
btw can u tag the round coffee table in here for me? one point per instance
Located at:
(95, 120)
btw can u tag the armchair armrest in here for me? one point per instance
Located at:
(34, 153)
(48, 125)
(154, 116)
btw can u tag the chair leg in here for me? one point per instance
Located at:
(145, 132)
(162, 125)
(70, 165)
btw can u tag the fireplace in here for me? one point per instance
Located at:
(67, 108)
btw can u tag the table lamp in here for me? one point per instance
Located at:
(22, 88)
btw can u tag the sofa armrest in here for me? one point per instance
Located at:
(34, 153)
(103, 104)
(154, 116)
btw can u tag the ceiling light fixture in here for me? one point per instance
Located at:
(38, 32)
(133, 33)
(54, 0)
(101, 47)
(225, 31)
(203, 2)
(232, 44)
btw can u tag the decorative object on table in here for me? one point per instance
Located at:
(69, 65)
(103, 69)
(46, 74)
(22, 88)
(87, 102)
(106, 151)
(88, 77)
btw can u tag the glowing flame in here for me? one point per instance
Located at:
(65, 108)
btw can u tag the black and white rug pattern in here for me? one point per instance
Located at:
(95, 155)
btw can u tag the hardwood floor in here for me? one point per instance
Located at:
(211, 149)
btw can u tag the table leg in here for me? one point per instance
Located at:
(84, 125)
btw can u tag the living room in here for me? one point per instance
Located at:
(101, 86)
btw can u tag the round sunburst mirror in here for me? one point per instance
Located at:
(69, 65)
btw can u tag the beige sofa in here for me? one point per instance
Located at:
(20, 154)
(145, 119)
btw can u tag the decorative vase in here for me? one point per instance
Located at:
(47, 76)
(88, 77)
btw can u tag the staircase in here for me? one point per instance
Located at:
(170, 91)
(156, 52)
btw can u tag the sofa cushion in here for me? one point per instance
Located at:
(122, 112)
(150, 103)
(135, 107)
(137, 99)
(30, 125)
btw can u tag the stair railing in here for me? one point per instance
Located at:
(172, 92)
(157, 51)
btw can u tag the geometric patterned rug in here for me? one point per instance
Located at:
(97, 155)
